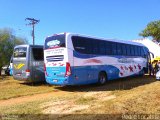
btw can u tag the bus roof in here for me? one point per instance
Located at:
(26, 45)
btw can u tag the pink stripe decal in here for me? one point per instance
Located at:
(93, 61)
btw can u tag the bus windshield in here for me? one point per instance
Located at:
(55, 41)
(20, 52)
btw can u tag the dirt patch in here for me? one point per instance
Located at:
(19, 100)
(62, 107)
(100, 95)
(70, 106)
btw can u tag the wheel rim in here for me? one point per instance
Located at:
(102, 79)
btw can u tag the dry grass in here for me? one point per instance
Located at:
(10, 88)
(126, 96)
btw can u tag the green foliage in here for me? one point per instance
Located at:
(152, 30)
(7, 42)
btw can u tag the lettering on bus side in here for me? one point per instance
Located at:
(36, 63)
(125, 60)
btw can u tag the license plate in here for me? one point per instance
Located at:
(55, 80)
(18, 74)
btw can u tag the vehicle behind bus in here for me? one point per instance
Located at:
(72, 59)
(28, 63)
(11, 66)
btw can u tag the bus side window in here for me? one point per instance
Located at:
(79, 44)
(146, 51)
(85, 45)
(102, 47)
(128, 50)
(124, 49)
(95, 44)
(139, 51)
(89, 46)
(142, 52)
(119, 49)
(108, 46)
(114, 48)
(136, 50)
(132, 50)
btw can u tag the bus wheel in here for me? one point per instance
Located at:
(102, 78)
(142, 72)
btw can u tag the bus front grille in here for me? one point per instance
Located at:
(55, 58)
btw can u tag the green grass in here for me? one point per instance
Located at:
(10, 88)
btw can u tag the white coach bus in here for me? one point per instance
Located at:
(73, 59)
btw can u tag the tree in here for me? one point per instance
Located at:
(152, 30)
(7, 42)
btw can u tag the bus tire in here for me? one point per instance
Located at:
(142, 72)
(102, 78)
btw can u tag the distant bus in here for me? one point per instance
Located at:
(73, 59)
(28, 63)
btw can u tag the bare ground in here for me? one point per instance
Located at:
(70, 106)
(30, 98)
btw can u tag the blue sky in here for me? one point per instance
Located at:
(120, 19)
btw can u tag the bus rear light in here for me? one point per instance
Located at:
(45, 70)
(44, 67)
(68, 69)
(27, 70)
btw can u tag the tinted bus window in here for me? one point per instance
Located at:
(124, 49)
(139, 51)
(89, 48)
(128, 50)
(146, 51)
(114, 48)
(136, 51)
(102, 47)
(37, 53)
(95, 44)
(132, 50)
(20, 52)
(55, 41)
(142, 52)
(108, 48)
(119, 49)
(80, 44)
